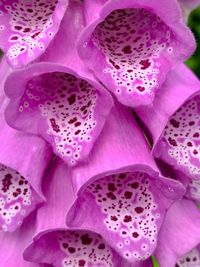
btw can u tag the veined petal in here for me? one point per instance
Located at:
(131, 45)
(62, 98)
(13, 244)
(59, 194)
(27, 28)
(23, 160)
(173, 122)
(120, 186)
(179, 234)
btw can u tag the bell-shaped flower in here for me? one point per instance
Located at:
(131, 45)
(121, 195)
(23, 160)
(173, 122)
(57, 245)
(58, 98)
(28, 27)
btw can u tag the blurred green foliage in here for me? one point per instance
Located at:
(194, 24)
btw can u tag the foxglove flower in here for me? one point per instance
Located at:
(131, 45)
(121, 187)
(173, 122)
(62, 98)
(58, 245)
(27, 28)
(179, 235)
(23, 159)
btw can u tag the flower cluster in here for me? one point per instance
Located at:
(100, 134)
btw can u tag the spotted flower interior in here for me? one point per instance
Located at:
(191, 259)
(64, 110)
(129, 209)
(180, 142)
(74, 248)
(17, 198)
(27, 27)
(136, 47)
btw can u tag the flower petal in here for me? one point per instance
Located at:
(72, 248)
(173, 121)
(76, 248)
(54, 243)
(59, 194)
(13, 244)
(23, 160)
(121, 187)
(27, 28)
(131, 45)
(179, 233)
(63, 100)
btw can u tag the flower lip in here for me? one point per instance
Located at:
(64, 243)
(74, 246)
(24, 43)
(71, 86)
(176, 133)
(114, 73)
(20, 173)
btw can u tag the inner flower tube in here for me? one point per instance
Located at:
(131, 45)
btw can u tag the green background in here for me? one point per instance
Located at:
(194, 24)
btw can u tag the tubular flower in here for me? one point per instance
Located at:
(20, 174)
(100, 134)
(58, 245)
(63, 100)
(131, 45)
(121, 187)
(175, 116)
(179, 235)
(27, 28)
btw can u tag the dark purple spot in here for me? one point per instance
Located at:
(127, 218)
(145, 64)
(139, 210)
(86, 240)
(72, 99)
(127, 49)
(101, 246)
(71, 249)
(135, 234)
(128, 195)
(174, 123)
